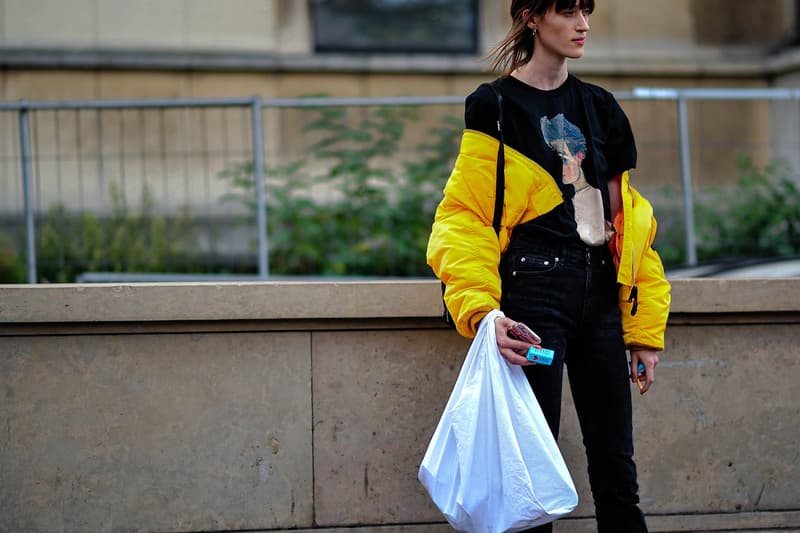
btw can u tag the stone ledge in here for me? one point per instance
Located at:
(157, 302)
(761, 522)
(325, 300)
(604, 61)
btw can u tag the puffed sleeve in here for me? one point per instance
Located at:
(463, 249)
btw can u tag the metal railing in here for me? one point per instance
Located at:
(255, 108)
(25, 108)
(681, 97)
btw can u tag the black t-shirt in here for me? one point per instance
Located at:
(575, 128)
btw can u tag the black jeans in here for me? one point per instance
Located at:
(567, 293)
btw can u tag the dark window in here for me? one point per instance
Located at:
(402, 26)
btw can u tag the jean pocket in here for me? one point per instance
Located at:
(536, 279)
(534, 264)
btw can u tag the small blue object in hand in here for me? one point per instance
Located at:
(540, 356)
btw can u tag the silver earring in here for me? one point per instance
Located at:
(533, 32)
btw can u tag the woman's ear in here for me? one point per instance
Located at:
(532, 22)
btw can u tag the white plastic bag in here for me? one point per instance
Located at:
(492, 465)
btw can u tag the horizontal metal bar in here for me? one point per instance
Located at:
(638, 93)
(171, 277)
(149, 277)
(370, 101)
(227, 102)
(125, 104)
(665, 93)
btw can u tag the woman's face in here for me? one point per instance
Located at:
(561, 33)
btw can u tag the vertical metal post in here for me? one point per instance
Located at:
(686, 176)
(27, 188)
(261, 197)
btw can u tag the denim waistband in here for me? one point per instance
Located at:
(572, 252)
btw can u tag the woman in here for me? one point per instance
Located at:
(573, 258)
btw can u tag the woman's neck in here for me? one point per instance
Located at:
(542, 75)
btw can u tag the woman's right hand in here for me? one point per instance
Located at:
(507, 345)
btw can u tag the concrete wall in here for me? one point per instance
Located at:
(234, 25)
(189, 407)
(282, 27)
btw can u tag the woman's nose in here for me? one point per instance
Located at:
(583, 22)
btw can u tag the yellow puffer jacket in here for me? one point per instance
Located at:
(464, 250)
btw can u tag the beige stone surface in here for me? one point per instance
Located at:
(660, 28)
(734, 296)
(405, 85)
(144, 24)
(494, 21)
(48, 85)
(765, 23)
(665, 524)
(742, 521)
(655, 39)
(265, 26)
(141, 85)
(377, 399)
(170, 433)
(49, 23)
(232, 25)
(199, 410)
(232, 85)
(294, 300)
(297, 85)
(293, 24)
(726, 408)
(647, 24)
(426, 528)
(219, 301)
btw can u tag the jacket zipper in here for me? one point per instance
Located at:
(634, 295)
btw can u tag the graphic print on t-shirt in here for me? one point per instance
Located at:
(569, 143)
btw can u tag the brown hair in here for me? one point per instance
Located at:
(516, 48)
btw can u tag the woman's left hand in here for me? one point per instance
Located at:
(510, 349)
(650, 360)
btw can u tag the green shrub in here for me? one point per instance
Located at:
(377, 219)
(12, 266)
(379, 222)
(142, 241)
(671, 236)
(759, 217)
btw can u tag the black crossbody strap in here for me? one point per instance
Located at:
(500, 185)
